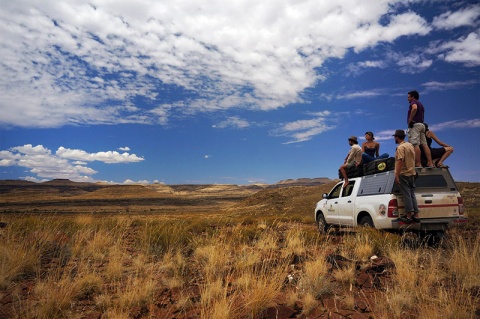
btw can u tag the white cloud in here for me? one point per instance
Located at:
(109, 157)
(372, 64)
(440, 86)
(356, 95)
(358, 68)
(468, 16)
(73, 63)
(207, 156)
(463, 124)
(471, 123)
(126, 148)
(66, 163)
(234, 122)
(304, 130)
(413, 63)
(465, 50)
(131, 182)
(33, 179)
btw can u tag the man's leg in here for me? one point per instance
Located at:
(406, 191)
(448, 151)
(414, 139)
(415, 210)
(418, 156)
(367, 158)
(428, 155)
(344, 174)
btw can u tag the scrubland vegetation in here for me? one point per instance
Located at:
(219, 266)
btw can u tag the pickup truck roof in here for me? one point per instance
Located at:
(429, 179)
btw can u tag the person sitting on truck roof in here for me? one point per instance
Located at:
(354, 158)
(439, 154)
(405, 175)
(370, 149)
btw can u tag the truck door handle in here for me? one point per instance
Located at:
(336, 202)
(428, 202)
(349, 201)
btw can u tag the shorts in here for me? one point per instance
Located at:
(350, 165)
(437, 152)
(416, 135)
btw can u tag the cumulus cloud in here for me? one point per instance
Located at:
(65, 163)
(465, 50)
(109, 157)
(468, 16)
(116, 62)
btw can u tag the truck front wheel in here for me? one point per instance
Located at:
(366, 221)
(322, 224)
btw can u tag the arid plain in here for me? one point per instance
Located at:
(82, 250)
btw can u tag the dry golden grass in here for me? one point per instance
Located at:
(218, 266)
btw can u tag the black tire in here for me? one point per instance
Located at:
(322, 224)
(433, 239)
(367, 221)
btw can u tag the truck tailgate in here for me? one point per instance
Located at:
(435, 205)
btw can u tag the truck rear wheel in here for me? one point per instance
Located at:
(366, 221)
(322, 224)
(433, 239)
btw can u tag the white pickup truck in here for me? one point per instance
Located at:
(375, 201)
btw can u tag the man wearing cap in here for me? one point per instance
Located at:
(405, 175)
(354, 158)
(416, 128)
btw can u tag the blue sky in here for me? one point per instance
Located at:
(228, 91)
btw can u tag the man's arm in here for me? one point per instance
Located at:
(398, 170)
(346, 158)
(412, 113)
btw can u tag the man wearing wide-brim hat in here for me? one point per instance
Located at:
(405, 175)
(354, 158)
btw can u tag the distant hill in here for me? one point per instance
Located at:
(285, 197)
(302, 182)
(67, 187)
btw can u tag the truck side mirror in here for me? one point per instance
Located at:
(325, 195)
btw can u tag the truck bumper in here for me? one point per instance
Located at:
(431, 224)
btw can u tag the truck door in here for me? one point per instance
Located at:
(345, 205)
(331, 205)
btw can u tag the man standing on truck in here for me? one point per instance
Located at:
(405, 175)
(416, 129)
(354, 158)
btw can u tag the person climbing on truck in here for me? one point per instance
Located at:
(405, 175)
